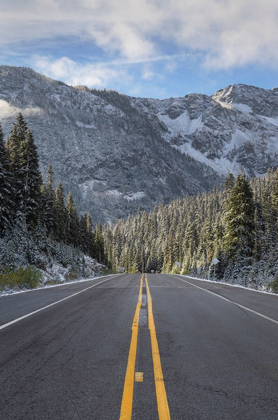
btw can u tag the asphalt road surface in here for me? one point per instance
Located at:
(161, 348)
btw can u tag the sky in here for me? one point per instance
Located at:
(147, 48)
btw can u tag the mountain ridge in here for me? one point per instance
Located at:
(117, 152)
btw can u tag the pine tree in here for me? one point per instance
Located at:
(230, 181)
(60, 216)
(48, 197)
(72, 223)
(269, 217)
(83, 234)
(6, 189)
(86, 236)
(239, 229)
(30, 201)
(15, 147)
(90, 236)
(99, 244)
(24, 163)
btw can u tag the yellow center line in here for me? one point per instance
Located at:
(161, 396)
(126, 407)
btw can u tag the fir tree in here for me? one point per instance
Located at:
(59, 214)
(72, 223)
(48, 197)
(6, 189)
(30, 200)
(90, 242)
(99, 245)
(239, 228)
(15, 147)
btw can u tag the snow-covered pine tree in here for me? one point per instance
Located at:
(60, 216)
(48, 198)
(30, 201)
(239, 218)
(6, 189)
(86, 236)
(14, 144)
(99, 245)
(24, 163)
(90, 237)
(72, 223)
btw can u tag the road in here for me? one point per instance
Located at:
(88, 351)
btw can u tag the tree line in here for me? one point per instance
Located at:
(237, 224)
(33, 211)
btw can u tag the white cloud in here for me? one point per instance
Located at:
(73, 73)
(228, 32)
(7, 110)
(148, 75)
(99, 75)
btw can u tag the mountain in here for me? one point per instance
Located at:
(108, 153)
(233, 130)
(116, 153)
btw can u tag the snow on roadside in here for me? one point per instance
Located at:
(229, 284)
(56, 274)
(48, 286)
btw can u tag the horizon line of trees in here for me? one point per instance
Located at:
(27, 204)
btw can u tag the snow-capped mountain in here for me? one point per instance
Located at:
(104, 150)
(116, 153)
(235, 129)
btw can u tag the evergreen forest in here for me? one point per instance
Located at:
(39, 226)
(237, 224)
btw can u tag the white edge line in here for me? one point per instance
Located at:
(230, 301)
(48, 306)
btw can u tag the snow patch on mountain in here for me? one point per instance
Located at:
(245, 109)
(273, 121)
(222, 165)
(114, 193)
(134, 196)
(89, 187)
(182, 124)
(81, 125)
(128, 196)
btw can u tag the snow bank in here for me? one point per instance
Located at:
(228, 284)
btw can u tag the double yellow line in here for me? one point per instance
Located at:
(161, 396)
(126, 408)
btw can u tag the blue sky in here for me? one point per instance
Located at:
(144, 48)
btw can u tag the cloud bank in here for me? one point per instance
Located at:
(228, 32)
(7, 110)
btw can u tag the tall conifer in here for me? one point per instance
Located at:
(239, 229)
(6, 189)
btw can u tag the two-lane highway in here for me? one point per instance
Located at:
(213, 349)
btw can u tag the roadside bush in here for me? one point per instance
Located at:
(25, 277)
(274, 286)
(73, 274)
